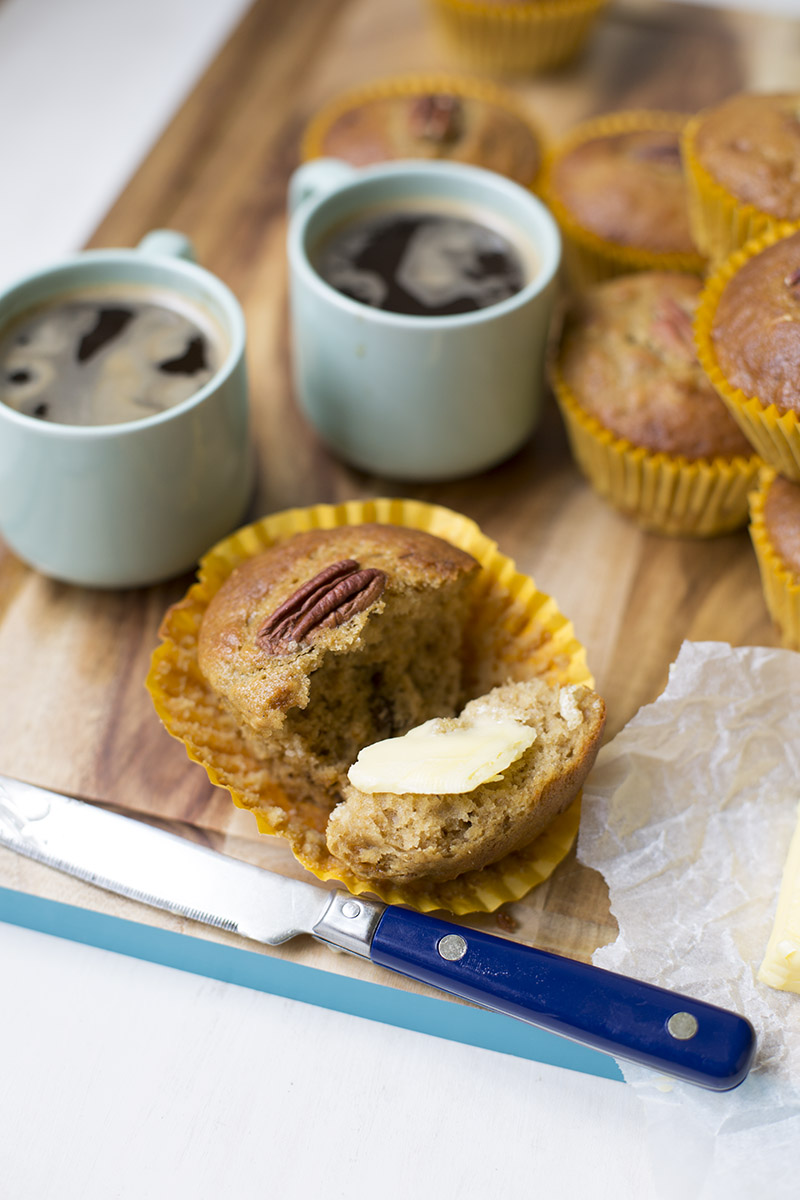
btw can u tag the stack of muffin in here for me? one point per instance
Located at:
(681, 394)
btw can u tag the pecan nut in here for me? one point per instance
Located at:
(436, 118)
(329, 599)
(672, 326)
(665, 151)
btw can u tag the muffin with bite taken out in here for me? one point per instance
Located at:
(317, 635)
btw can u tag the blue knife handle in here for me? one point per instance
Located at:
(708, 1046)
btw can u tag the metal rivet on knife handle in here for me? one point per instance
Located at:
(682, 1025)
(452, 947)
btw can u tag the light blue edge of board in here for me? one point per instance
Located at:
(229, 964)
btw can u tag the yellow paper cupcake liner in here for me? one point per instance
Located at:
(313, 141)
(516, 38)
(517, 633)
(720, 222)
(588, 257)
(781, 586)
(662, 493)
(774, 435)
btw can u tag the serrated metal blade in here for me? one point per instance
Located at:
(125, 856)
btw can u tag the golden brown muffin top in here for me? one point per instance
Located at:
(250, 637)
(751, 145)
(782, 521)
(435, 125)
(628, 356)
(756, 327)
(628, 188)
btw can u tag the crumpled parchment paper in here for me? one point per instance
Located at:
(688, 814)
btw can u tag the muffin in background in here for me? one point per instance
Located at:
(748, 338)
(644, 423)
(516, 36)
(775, 532)
(429, 117)
(742, 160)
(617, 188)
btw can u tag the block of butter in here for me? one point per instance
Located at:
(781, 965)
(442, 757)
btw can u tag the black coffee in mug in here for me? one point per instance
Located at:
(104, 356)
(421, 261)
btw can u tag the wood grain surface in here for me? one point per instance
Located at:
(74, 714)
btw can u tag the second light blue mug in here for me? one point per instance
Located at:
(129, 504)
(418, 397)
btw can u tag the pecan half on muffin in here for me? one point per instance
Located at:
(644, 421)
(467, 121)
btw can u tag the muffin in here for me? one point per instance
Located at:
(743, 169)
(365, 620)
(516, 36)
(775, 531)
(404, 835)
(616, 186)
(453, 590)
(748, 338)
(645, 424)
(429, 117)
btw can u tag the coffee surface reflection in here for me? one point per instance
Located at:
(421, 263)
(107, 356)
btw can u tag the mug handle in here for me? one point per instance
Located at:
(167, 243)
(316, 178)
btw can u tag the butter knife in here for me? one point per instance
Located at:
(671, 1033)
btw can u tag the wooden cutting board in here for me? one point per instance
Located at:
(74, 714)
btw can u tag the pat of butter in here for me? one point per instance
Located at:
(441, 759)
(781, 965)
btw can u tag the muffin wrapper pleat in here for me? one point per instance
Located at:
(588, 257)
(522, 38)
(313, 141)
(663, 494)
(774, 435)
(720, 222)
(781, 586)
(517, 633)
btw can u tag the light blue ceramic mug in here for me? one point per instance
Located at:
(418, 397)
(129, 504)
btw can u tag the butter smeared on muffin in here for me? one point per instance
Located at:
(460, 793)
